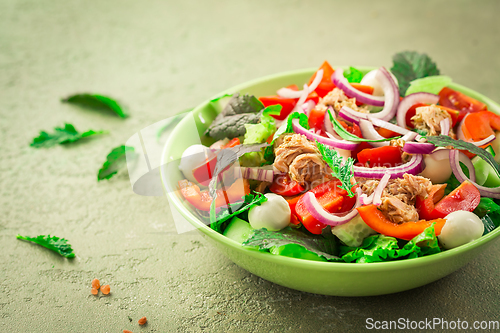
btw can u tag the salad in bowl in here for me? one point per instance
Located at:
(356, 166)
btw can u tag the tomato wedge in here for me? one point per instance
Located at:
(285, 186)
(376, 220)
(202, 200)
(458, 101)
(287, 105)
(326, 85)
(386, 156)
(426, 206)
(233, 143)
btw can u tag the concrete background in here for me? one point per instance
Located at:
(161, 57)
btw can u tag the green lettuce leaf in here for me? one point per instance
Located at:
(65, 135)
(258, 133)
(97, 102)
(486, 206)
(409, 66)
(423, 244)
(56, 244)
(353, 75)
(115, 160)
(375, 248)
(322, 246)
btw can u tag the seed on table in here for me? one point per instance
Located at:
(93, 291)
(96, 284)
(105, 289)
(142, 321)
(127, 331)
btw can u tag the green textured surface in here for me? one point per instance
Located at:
(160, 58)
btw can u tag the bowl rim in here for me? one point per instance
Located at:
(302, 263)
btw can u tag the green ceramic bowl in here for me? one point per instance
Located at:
(340, 279)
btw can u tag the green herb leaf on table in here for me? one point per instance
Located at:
(115, 160)
(249, 201)
(59, 245)
(353, 75)
(342, 132)
(96, 102)
(410, 65)
(342, 170)
(65, 135)
(445, 141)
(264, 239)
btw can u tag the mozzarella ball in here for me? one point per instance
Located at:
(438, 171)
(370, 80)
(191, 158)
(461, 227)
(274, 214)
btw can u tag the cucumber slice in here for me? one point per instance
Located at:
(353, 232)
(485, 174)
(238, 230)
(430, 84)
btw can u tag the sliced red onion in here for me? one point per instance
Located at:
(485, 141)
(388, 125)
(413, 167)
(308, 106)
(391, 96)
(341, 82)
(332, 142)
(370, 133)
(348, 114)
(366, 200)
(290, 93)
(377, 194)
(444, 154)
(261, 174)
(412, 99)
(410, 136)
(445, 126)
(490, 192)
(319, 213)
(327, 123)
(418, 148)
(460, 135)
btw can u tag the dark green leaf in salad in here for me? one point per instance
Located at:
(490, 222)
(249, 201)
(411, 65)
(97, 102)
(445, 141)
(423, 244)
(115, 160)
(486, 206)
(241, 104)
(323, 247)
(216, 99)
(65, 135)
(342, 170)
(353, 75)
(342, 132)
(56, 244)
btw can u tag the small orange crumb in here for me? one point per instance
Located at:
(96, 284)
(143, 321)
(127, 331)
(105, 289)
(93, 291)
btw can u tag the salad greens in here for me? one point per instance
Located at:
(56, 244)
(115, 160)
(65, 135)
(430, 84)
(342, 170)
(409, 66)
(97, 102)
(250, 200)
(353, 75)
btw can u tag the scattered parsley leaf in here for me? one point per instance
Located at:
(96, 102)
(53, 243)
(64, 135)
(341, 131)
(264, 239)
(341, 170)
(303, 121)
(225, 214)
(353, 75)
(115, 160)
(410, 65)
(445, 141)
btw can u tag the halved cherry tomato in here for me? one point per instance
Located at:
(362, 146)
(283, 185)
(233, 143)
(353, 129)
(426, 206)
(465, 197)
(203, 173)
(202, 200)
(411, 112)
(376, 220)
(326, 85)
(458, 101)
(331, 198)
(287, 105)
(316, 119)
(387, 156)
(480, 125)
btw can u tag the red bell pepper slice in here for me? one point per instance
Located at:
(285, 186)
(465, 197)
(426, 206)
(456, 100)
(201, 199)
(233, 143)
(386, 156)
(376, 220)
(480, 125)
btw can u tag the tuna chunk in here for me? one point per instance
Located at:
(427, 118)
(337, 99)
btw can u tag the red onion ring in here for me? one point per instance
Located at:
(370, 133)
(445, 153)
(460, 135)
(388, 125)
(348, 114)
(418, 147)
(332, 142)
(261, 174)
(341, 82)
(290, 93)
(445, 126)
(319, 213)
(484, 141)
(413, 167)
(490, 192)
(412, 99)
(377, 194)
